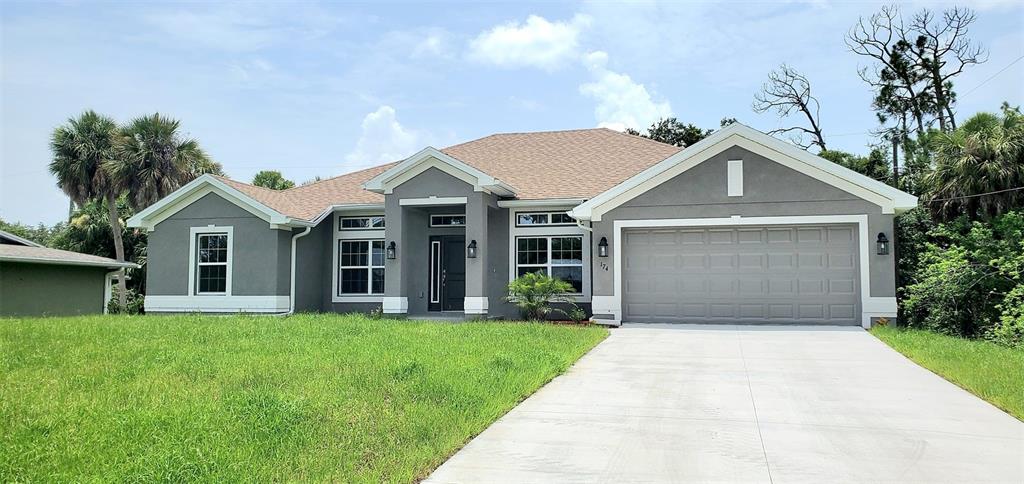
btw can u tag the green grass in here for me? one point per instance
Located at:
(309, 397)
(992, 372)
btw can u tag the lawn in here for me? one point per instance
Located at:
(985, 369)
(309, 397)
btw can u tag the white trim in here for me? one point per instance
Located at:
(888, 198)
(475, 305)
(395, 305)
(515, 231)
(368, 218)
(199, 188)
(546, 202)
(339, 235)
(358, 299)
(431, 201)
(222, 304)
(108, 289)
(193, 233)
(66, 262)
(869, 306)
(735, 175)
(550, 215)
(431, 157)
(357, 207)
(9, 236)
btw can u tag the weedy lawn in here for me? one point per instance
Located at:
(308, 397)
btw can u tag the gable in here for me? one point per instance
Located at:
(887, 198)
(210, 206)
(764, 181)
(197, 189)
(433, 182)
(432, 158)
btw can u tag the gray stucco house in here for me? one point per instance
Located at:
(40, 281)
(738, 227)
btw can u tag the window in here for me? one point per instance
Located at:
(447, 220)
(546, 218)
(360, 223)
(211, 272)
(558, 257)
(360, 267)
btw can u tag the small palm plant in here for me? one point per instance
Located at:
(535, 291)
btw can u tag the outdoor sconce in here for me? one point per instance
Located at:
(471, 250)
(602, 247)
(391, 252)
(882, 244)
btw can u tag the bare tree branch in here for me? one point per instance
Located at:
(787, 91)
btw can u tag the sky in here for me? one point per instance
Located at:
(320, 89)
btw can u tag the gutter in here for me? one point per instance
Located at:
(291, 293)
(65, 262)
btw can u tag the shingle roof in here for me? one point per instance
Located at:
(46, 255)
(552, 164)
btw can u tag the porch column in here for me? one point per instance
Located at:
(476, 268)
(396, 281)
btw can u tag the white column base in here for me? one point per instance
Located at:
(877, 307)
(395, 305)
(475, 305)
(217, 304)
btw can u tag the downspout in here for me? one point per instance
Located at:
(291, 293)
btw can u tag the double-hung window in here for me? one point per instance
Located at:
(560, 257)
(212, 263)
(360, 267)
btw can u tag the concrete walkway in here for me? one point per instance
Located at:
(745, 403)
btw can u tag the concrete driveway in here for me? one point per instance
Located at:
(744, 403)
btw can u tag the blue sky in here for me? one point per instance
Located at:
(325, 88)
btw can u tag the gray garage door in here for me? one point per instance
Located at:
(799, 274)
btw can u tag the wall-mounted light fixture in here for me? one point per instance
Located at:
(602, 247)
(471, 250)
(391, 252)
(882, 244)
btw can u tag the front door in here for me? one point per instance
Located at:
(447, 283)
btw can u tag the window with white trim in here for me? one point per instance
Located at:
(448, 220)
(360, 223)
(533, 219)
(560, 257)
(211, 271)
(360, 267)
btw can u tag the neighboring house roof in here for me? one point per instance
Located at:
(46, 255)
(16, 240)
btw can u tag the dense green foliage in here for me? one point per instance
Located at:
(968, 280)
(246, 398)
(273, 180)
(987, 370)
(675, 132)
(534, 292)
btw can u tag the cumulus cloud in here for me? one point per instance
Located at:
(537, 42)
(621, 102)
(383, 139)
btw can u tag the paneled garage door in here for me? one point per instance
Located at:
(774, 274)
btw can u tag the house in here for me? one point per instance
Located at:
(738, 227)
(39, 281)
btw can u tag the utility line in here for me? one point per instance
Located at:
(977, 195)
(993, 76)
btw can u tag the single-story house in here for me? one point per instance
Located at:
(39, 281)
(738, 227)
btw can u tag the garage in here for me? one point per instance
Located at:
(804, 274)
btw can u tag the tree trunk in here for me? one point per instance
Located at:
(940, 95)
(895, 161)
(115, 227)
(952, 122)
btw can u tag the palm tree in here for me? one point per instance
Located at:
(81, 150)
(152, 160)
(979, 168)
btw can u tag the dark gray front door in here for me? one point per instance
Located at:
(794, 274)
(447, 283)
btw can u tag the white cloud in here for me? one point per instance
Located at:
(434, 44)
(383, 140)
(537, 42)
(621, 102)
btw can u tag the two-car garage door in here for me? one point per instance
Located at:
(774, 274)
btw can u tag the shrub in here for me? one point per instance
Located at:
(535, 291)
(134, 303)
(576, 314)
(967, 278)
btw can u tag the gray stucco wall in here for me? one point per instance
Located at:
(261, 256)
(769, 189)
(50, 290)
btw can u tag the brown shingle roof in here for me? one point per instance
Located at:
(46, 255)
(553, 164)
